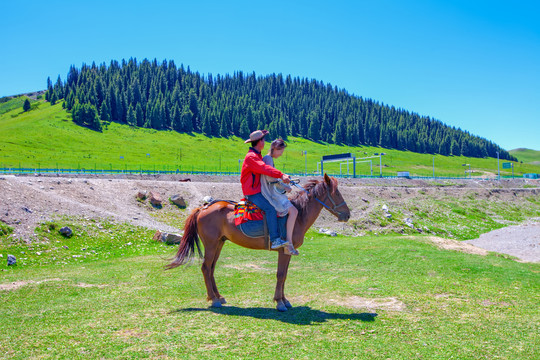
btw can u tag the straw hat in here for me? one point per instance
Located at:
(256, 135)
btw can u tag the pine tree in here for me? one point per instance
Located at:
(176, 118)
(454, 148)
(104, 112)
(96, 123)
(244, 129)
(339, 132)
(194, 108)
(54, 98)
(187, 117)
(314, 126)
(26, 105)
(139, 115)
(206, 127)
(223, 128)
(131, 117)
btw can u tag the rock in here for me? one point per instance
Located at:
(11, 260)
(409, 223)
(66, 231)
(385, 208)
(141, 195)
(172, 239)
(169, 239)
(387, 215)
(65, 247)
(327, 232)
(155, 198)
(157, 236)
(27, 210)
(178, 201)
(207, 199)
(365, 200)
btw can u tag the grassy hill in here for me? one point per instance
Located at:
(46, 137)
(527, 155)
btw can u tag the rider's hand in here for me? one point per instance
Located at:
(286, 178)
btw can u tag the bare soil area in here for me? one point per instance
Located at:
(521, 241)
(27, 201)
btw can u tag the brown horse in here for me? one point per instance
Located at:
(215, 224)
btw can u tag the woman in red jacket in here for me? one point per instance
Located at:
(250, 177)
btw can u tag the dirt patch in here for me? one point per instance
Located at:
(521, 241)
(354, 302)
(248, 268)
(449, 244)
(370, 304)
(84, 285)
(131, 333)
(18, 284)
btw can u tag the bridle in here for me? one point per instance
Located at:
(332, 209)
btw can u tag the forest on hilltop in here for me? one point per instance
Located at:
(163, 96)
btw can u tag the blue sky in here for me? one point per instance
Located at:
(471, 64)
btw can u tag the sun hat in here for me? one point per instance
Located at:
(256, 135)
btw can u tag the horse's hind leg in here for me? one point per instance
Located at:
(219, 246)
(208, 273)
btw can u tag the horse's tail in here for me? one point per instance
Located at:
(190, 240)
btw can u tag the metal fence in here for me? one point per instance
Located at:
(141, 171)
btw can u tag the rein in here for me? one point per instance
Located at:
(332, 209)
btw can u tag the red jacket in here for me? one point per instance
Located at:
(253, 167)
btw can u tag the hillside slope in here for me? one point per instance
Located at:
(46, 137)
(527, 155)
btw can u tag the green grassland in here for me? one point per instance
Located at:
(527, 155)
(46, 137)
(103, 293)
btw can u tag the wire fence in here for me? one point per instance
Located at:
(193, 171)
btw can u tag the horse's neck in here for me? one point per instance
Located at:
(313, 209)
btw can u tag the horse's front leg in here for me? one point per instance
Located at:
(279, 295)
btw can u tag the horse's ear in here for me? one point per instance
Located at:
(327, 179)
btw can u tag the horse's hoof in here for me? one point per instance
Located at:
(216, 303)
(222, 300)
(287, 304)
(281, 306)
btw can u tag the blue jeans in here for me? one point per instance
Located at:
(271, 215)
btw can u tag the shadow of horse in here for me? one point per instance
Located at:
(301, 315)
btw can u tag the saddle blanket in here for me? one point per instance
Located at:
(245, 211)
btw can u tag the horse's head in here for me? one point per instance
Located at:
(333, 201)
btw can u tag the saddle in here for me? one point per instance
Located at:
(251, 220)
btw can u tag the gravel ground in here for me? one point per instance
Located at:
(521, 241)
(26, 201)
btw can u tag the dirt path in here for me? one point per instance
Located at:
(521, 241)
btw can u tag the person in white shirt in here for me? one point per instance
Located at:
(275, 191)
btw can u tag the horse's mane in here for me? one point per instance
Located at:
(314, 188)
